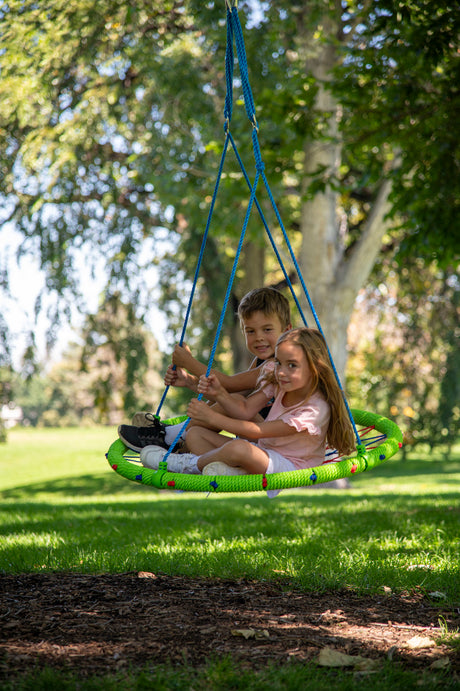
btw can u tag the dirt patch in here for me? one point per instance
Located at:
(100, 624)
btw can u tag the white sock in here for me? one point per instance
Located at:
(172, 431)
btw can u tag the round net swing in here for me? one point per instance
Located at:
(377, 438)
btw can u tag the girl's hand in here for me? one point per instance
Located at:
(210, 386)
(199, 411)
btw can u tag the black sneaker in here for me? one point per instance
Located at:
(137, 437)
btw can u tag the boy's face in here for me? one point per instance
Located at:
(261, 332)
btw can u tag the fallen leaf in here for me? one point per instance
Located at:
(418, 642)
(440, 663)
(329, 657)
(251, 633)
(145, 574)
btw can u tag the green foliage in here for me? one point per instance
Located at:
(399, 85)
(103, 151)
(404, 361)
(106, 380)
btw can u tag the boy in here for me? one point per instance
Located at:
(264, 315)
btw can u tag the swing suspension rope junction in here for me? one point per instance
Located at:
(371, 451)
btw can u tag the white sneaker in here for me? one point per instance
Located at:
(151, 456)
(182, 463)
(219, 468)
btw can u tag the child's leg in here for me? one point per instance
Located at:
(237, 453)
(218, 409)
(202, 439)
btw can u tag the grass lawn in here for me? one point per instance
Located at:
(64, 509)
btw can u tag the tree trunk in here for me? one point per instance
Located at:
(332, 276)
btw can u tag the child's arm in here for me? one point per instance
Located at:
(242, 381)
(236, 407)
(201, 413)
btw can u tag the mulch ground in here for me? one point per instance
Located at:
(95, 625)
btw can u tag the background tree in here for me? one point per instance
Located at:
(121, 361)
(405, 362)
(356, 102)
(113, 371)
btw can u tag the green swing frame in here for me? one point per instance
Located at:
(127, 464)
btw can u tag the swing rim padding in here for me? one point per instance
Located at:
(363, 460)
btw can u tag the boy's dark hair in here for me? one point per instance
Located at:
(267, 300)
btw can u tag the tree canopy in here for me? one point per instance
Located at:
(111, 116)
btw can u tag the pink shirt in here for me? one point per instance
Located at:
(310, 419)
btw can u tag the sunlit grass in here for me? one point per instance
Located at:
(64, 509)
(396, 529)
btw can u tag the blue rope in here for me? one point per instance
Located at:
(250, 110)
(229, 62)
(310, 303)
(224, 307)
(200, 259)
(241, 52)
(270, 236)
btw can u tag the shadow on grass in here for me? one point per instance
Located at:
(99, 484)
(109, 483)
(310, 539)
(397, 468)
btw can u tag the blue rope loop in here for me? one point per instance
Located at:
(241, 53)
(229, 63)
(260, 165)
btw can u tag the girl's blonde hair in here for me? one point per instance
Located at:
(340, 433)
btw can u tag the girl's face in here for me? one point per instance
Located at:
(292, 370)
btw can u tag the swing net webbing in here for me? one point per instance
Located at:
(376, 440)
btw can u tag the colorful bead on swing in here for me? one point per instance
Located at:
(264, 482)
(353, 468)
(313, 477)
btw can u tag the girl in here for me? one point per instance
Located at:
(308, 408)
